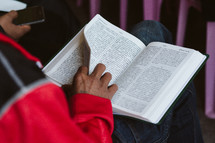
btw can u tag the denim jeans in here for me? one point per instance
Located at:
(180, 125)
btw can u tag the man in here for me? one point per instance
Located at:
(35, 110)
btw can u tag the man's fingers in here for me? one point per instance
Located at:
(24, 29)
(83, 69)
(98, 71)
(82, 72)
(113, 88)
(106, 78)
(12, 15)
(16, 31)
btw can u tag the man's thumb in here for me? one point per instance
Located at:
(12, 15)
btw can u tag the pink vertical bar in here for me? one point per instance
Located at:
(151, 9)
(123, 13)
(79, 2)
(94, 7)
(210, 72)
(182, 21)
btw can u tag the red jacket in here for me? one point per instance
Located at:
(34, 110)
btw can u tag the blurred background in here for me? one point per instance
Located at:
(195, 31)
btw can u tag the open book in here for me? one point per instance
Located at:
(150, 78)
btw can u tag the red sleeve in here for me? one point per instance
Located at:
(42, 116)
(93, 113)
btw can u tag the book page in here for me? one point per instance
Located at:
(64, 65)
(152, 75)
(112, 46)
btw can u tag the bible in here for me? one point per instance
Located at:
(150, 78)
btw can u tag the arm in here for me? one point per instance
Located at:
(93, 113)
(10, 29)
(35, 110)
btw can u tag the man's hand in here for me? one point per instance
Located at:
(94, 84)
(12, 30)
